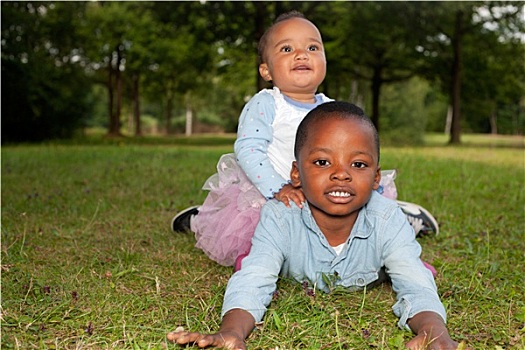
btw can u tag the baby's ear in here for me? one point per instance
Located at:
(377, 178)
(295, 177)
(265, 72)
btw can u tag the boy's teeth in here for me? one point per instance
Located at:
(340, 194)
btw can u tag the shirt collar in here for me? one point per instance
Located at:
(361, 227)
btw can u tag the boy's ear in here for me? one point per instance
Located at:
(265, 72)
(377, 178)
(295, 177)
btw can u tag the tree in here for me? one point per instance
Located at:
(182, 54)
(445, 28)
(44, 89)
(122, 36)
(139, 59)
(380, 52)
(494, 82)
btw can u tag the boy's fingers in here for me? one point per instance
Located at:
(187, 337)
(173, 336)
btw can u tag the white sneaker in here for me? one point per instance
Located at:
(421, 220)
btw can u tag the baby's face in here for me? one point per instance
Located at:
(338, 167)
(295, 58)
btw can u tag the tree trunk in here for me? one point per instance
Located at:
(118, 78)
(261, 13)
(376, 91)
(189, 119)
(136, 104)
(114, 125)
(455, 131)
(494, 122)
(169, 107)
(448, 121)
(115, 83)
(111, 127)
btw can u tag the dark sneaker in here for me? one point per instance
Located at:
(421, 220)
(181, 221)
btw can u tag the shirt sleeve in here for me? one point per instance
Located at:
(412, 282)
(254, 135)
(252, 287)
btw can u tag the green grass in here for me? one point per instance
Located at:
(89, 262)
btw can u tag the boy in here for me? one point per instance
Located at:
(345, 229)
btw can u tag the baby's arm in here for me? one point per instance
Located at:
(431, 332)
(254, 135)
(236, 326)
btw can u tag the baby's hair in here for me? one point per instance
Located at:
(334, 109)
(261, 47)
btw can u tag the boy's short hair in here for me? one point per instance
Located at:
(261, 47)
(337, 109)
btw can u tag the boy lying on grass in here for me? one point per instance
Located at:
(345, 230)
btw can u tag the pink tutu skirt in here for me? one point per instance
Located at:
(226, 221)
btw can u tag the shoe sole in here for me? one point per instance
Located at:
(179, 214)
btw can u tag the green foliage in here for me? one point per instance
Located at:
(483, 39)
(59, 57)
(44, 89)
(89, 262)
(404, 113)
(497, 102)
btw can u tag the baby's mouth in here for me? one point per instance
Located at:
(302, 67)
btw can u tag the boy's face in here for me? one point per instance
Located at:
(337, 168)
(294, 58)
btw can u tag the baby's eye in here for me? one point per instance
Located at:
(359, 165)
(286, 49)
(313, 48)
(322, 162)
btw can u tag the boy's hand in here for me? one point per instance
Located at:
(431, 333)
(226, 340)
(434, 341)
(289, 193)
(236, 325)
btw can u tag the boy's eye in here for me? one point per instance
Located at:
(322, 162)
(313, 48)
(359, 165)
(286, 49)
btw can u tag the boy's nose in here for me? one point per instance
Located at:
(341, 174)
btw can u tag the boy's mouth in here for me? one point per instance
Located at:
(339, 194)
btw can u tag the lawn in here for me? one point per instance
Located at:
(89, 262)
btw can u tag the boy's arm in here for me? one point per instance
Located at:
(430, 329)
(412, 282)
(236, 326)
(250, 288)
(418, 305)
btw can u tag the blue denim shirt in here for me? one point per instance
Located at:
(288, 243)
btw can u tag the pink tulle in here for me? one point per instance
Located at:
(388, 184)
(226, 221)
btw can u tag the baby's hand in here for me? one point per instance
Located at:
(287, 193)
(224, 340)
